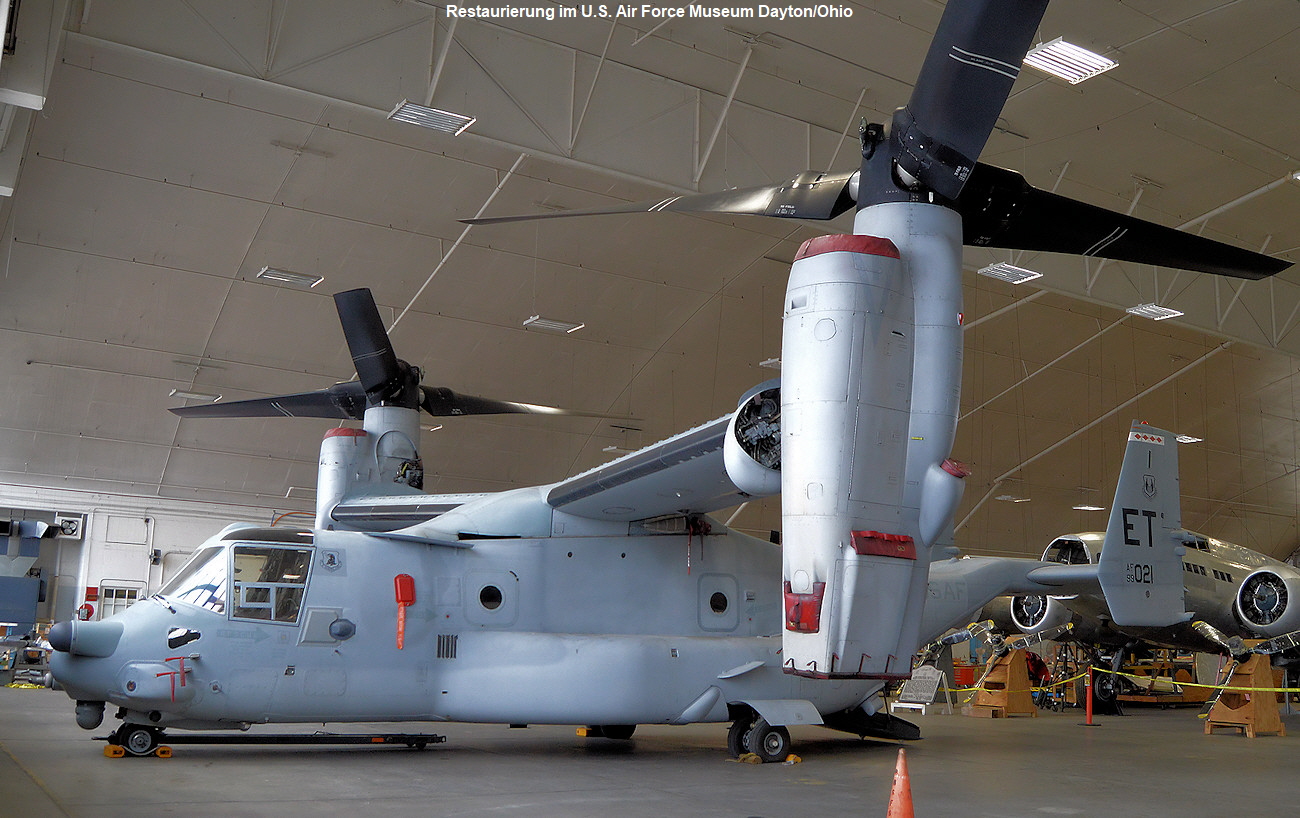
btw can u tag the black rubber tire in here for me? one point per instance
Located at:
(736, 735)
(767, 742)
(138, 740)
(618, 732)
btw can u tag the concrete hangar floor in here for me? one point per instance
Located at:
(1149, 762)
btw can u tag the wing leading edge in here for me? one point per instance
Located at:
(681, 475)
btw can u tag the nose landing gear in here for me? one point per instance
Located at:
(136, 739)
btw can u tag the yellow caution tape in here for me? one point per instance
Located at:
(1071, 680)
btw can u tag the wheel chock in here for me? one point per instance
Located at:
(792, 759)
(163, 751)
(583, 732)
(114, 751)
(749, 758)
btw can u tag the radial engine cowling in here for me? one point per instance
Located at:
(1268, 601)
(1035, 613)
(752, 449)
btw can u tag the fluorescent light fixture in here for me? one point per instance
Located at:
(771, 363)
(1089, 508)
(1188, 439)
(289, 277)
(617, 450)
(1008, 498)
(538, 322)
(1067, 61)
(435, 118)
(188, 395)
(1009, 273)
(1154, 311)
(435, 428)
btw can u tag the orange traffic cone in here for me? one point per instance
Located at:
(900, 797)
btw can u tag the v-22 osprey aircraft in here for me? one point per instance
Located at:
(602, 600)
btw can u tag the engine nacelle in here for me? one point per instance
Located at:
(752, 448)
(1268, 601)
(1035, 613)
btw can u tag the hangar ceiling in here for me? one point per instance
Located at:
(182, 147)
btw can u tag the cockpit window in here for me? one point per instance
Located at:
(269, 582)
(1067, 552)
(201, 581)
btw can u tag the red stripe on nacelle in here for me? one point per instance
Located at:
(841, 243)
(345, 432)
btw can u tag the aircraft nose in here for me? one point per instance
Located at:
(92, 639)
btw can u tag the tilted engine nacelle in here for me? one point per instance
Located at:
(752, 448)
(865, 490)
(1267, 601)
(1034, 613)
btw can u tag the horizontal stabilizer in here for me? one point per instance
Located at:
(1141, 567)
(1000, 209)
(810, 195)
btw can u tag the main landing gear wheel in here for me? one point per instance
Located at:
(136, 739)
(767, 742)
(736, 735)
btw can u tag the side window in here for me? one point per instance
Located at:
(201, 581)
(269, 582)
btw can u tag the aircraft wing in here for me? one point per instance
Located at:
(683, 474)
(1059, 579)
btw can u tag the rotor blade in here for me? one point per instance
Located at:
(440, 401)
(810, 195)
(974, 59)
(343, 401)
(1000, 209)
(372, 352)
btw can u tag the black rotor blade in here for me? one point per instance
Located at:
(973, 61)
(372, 352)
(342, 401)
(440, 401)
(810, 195)
(1000, 209)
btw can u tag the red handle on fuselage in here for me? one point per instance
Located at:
(404, 590)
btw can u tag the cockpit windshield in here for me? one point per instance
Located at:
(1067, 552)
(201, 581)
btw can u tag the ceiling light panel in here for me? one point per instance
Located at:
(435, 118)
(1009, 273)
(289, 277)
(188, 395)
(1067, 61)
(1154, 311)
(552, 325)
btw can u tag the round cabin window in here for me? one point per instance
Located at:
(490, 597)
(718, 602)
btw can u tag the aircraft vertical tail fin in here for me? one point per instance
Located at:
(1141, 567)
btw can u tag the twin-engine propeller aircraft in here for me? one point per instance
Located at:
(1234, 593)
(571, 603)
(602, 600)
